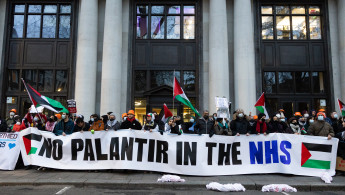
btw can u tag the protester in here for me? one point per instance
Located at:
(252, 123)
(189, 126)
(320, 127)
(205, 125)
(222, 127)
(275, 126)
(131, 122)
(19, 125)
(38, 123)
(10, 120)
(58, 116)
(97, 124)
(328, 120)
(80, 125)
(310, 120)
(112, 123)
(124, 117)
(175, 128)
(3, 125)
(179, 122)
(91, 120)
(150, 125)
(169, 125)
(294, 126)
(65, 126)
(297, 115)
(261, 125)
(105, 119)
(50, 125)
(336, 123)
(240, 125)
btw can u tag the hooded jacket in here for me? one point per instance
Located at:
(204, 126)
(239, 125)
(321, 128)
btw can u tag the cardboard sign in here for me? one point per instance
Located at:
(72, 106)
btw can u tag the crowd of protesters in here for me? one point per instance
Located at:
(307, 123)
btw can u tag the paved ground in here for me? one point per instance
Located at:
(103, 182)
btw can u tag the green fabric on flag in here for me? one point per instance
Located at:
(317, 164)
(32, 150)
(187, 103)
(261, 109)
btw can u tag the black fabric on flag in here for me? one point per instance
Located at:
(318, 147)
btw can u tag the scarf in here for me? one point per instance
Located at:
(111, 123)
(258, 127)
(221, 125)
(295, 128)
(131, 120)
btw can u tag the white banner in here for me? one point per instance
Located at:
(187, 154)
(9, 150)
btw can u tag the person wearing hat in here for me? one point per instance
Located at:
(328, 120)
(261, 125)
(10, 120)
(275, 125)
(65, 126)
(150, 125)
(124, 117)
(239, 125)
(294, 126)
(131, 122)
(81, 125)
(98, 124)
(112, 123)
(320, 127)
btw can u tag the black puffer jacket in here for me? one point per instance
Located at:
(204, 126)
(3, 125)
(240, 125)
(275, 127)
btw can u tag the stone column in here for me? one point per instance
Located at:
(244, 56)
(218, 53)
(341, 44)
(85, 82)
(112, 58)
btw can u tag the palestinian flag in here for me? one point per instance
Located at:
(27, 142)
(181, 96)
(341, 107)
(261, 104)
(40, 100)
(165, 113)
(316, 156)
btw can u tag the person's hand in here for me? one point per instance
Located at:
(296, 133)
(329, 137)
(247, 134)
(63, 133)
(238, 134)
(130, 128)
(144, 130)
(150, 130)
(265, 133)
(82, 131)
(211, 134)
(107, 129)
(258, 133)
(161, 132)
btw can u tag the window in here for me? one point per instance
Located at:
(165, 22)
(298, 22)
(41, 21)
(298, 82)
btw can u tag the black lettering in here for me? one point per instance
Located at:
(46, 148)
(224, 154)
(127, 149)
(100, 156)
(162, 148)
(235, 152)
(179, 153)
(114, 149)
(141, 143)
(77, 146)
(88, 152)
(190, 153)
(210, 146)
(57, 149)
(151, 155)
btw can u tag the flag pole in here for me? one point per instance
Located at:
(173, 94)
(31, 100)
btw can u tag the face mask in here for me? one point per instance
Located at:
(240, 115)
(215, 118)
(282, 119)
(302, 121)
(50, 120)
(92, 119)
(306, 115)
(311, 121)
(263, 120)
(320, 118)
(278, 115)
(18, 123)
(112, 119)
(205, 117)
(191, 120)
(63, 116)
(294, 123)
(335, 116)
(11, 113)
(35, 119)
(124, 118)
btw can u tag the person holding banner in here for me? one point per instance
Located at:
(65, 126)
(131, 122)
(239, 125)
(275, 126)
(261, 125)
(205, 125)
(320, 127)
(97, 124)
(50, 125)
(80, 125)
(150, 125)
(112, 123)
(3, 125)
(222, 127)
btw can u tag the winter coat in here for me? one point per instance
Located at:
(321, 128)
(97, 125)
(176, 129)
(85, 127)
(130, 125)
(295, 128)
(189, 128)
(336, 124)
(112, 125)
(10, 121)
(240, 125)
(262, 128)
(222, 129)
(3, 125)
(167, 128)
(60, 127)
(150, 125)
(275, 127)
(18, 128)
(204, 126)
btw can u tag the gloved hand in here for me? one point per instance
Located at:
(211, 134)
(161, 132)
(179, 133)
